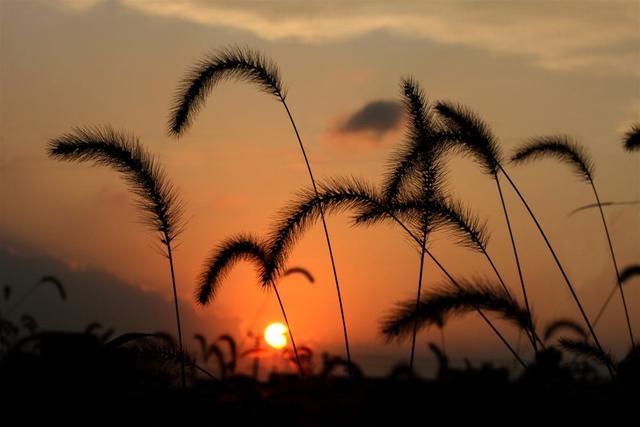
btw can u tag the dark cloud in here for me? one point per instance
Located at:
(377, 116)
(95, 295)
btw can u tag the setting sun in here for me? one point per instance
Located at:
(276, 335)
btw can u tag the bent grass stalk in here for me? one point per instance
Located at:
(157, 198)
(251, 66)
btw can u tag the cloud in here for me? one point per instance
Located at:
(95, 295)
(367, 127)
(376, 116)
(555, 36)
(79, 6)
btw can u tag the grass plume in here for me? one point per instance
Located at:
(564, 324)
(242, 247)
(604, 204)
(232, 63)
(448, 300)
(249, 65)
(468, 132)
(627, 273)
(631, 141)
(587, 350)
(302, 271)
(568, 151)
(229, 252)
(560, 147)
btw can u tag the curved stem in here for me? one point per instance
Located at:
(561, 268)
(175, 301)
(326, 233)
(415, 325)
(293, 342)
(517, 258)
(615, 264)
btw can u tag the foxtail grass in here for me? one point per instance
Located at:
(335, 196)
(631, 140)
(567, 325)
(246, 65)
(447, 300)
(242, 247)
(569, 152)
(472, 135)
(157, 199)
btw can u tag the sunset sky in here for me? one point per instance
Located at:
(527, 68)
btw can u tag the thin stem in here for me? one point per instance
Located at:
(415, 325)
(615, 263)
(326, 233)
(22, 298)
(175, 301)
(604, 305)
(293, 342)
(517, 258)
(495, 270)
(484, 317)
(564, 274)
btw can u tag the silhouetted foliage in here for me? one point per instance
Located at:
(560, 147)
(241, 247)
(230, 63)
(564, 324)
(57, 283)
(447, 300)
(629, 272)
(300, 270)
(583, 348)
(233, 351)
(252, 66)
(331, 364)
(29, 323)
(631, 139)
(603, 204)
(468, 131)
(568, 151)
(156, 197)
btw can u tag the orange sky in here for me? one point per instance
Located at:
(528, 69)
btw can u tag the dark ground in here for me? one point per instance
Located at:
(74, 379)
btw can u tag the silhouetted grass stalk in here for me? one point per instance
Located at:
(473, 135)
(419, 292)
(339, 196)
(452, 279)
(286, 321)
(560, 267)
(532, 337)
(566, 150)
(216, 267)
(615, 264)
(235, 62)
(157, 198)
(326, 232)
(175, 303)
